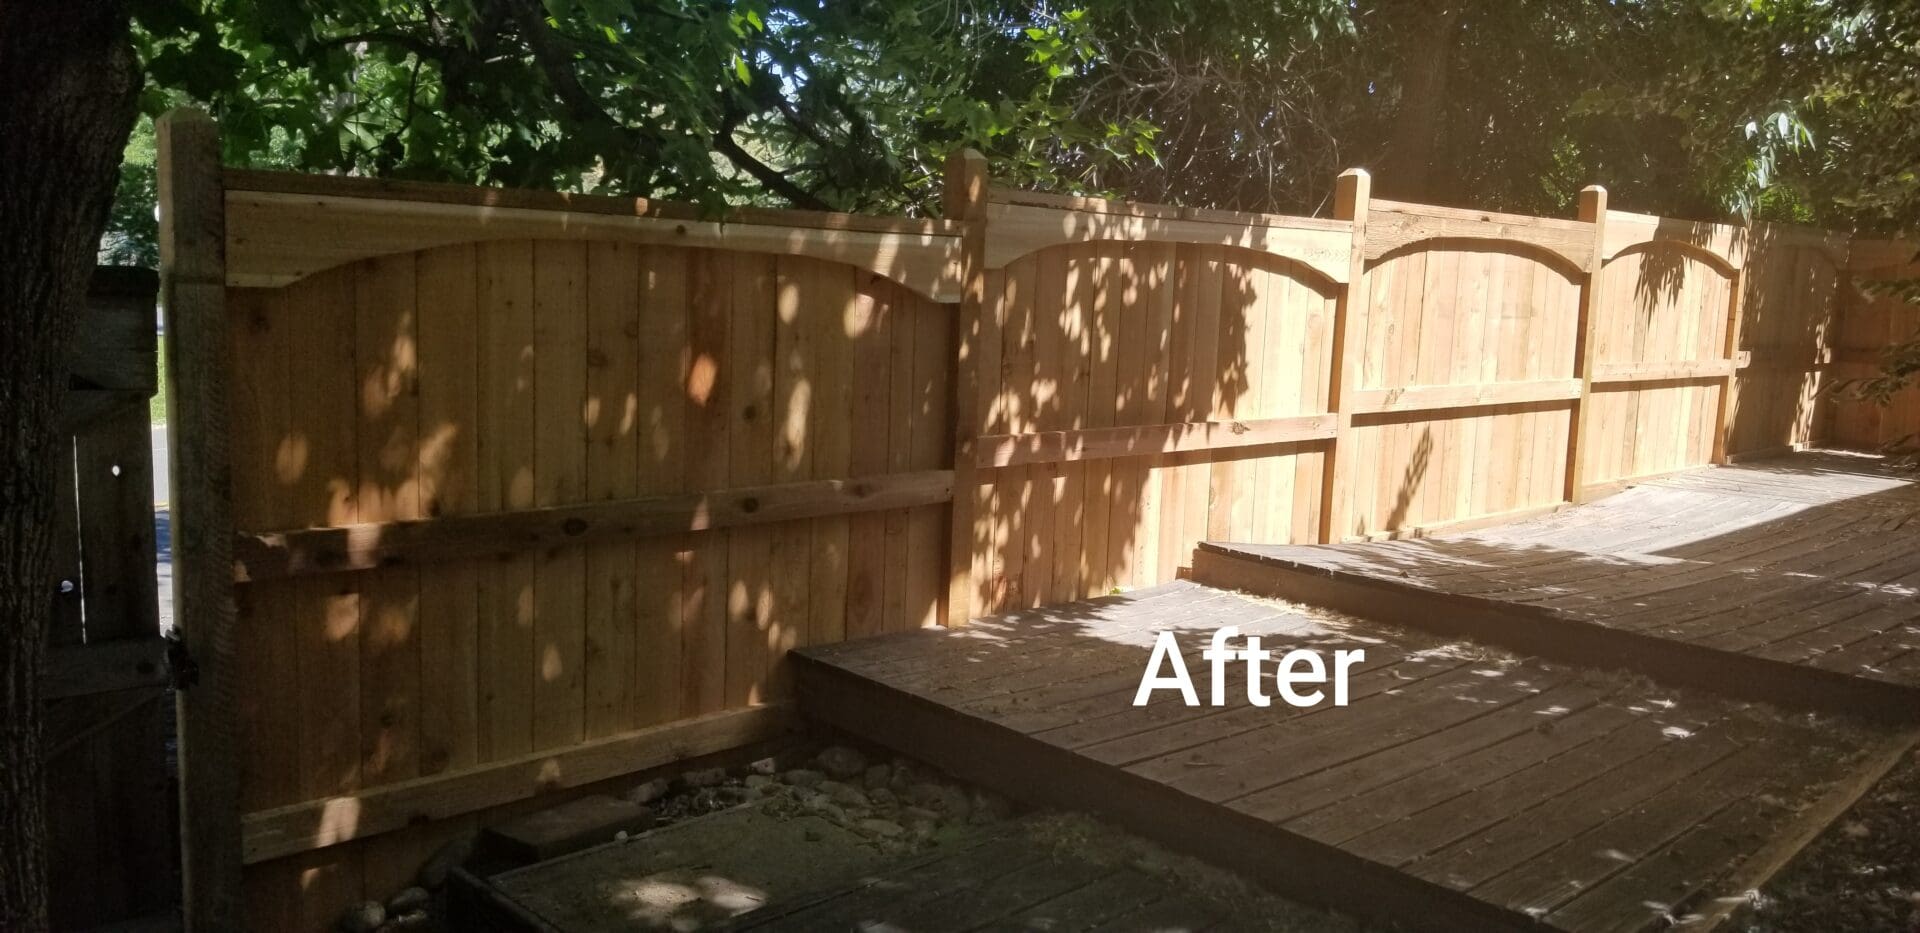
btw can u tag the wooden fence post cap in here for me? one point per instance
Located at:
(966, 183)
(185, 114)
(1593, 202)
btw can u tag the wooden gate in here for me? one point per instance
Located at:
(109, 804)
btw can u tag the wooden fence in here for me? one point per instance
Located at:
(109, 822)
(488, 495)
(1870, 324)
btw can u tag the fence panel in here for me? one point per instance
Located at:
(527, 498)
(1792, 311)
(1148, 378)
(1871, 323)
(1662, 351)
(1465, 377)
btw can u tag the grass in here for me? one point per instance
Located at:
(157, 406)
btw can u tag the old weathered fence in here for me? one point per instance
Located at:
(108, 794)
(485, 495)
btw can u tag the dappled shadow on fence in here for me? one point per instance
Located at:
(1113, 335)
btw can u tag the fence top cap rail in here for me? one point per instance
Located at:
(1475, 215)
(277, 237)
(1161, 211)
(348, 186)
(1722, 244)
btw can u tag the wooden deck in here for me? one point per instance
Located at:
(1791, 579)
(1464, 788)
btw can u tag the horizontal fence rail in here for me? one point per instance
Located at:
(533, 491)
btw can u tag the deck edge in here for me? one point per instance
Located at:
(1550, 634)
(1036, 772)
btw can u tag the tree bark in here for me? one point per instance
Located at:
(68, 85)
(1406, 172)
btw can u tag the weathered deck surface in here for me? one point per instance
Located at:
(1798, 573)
(1463, 788)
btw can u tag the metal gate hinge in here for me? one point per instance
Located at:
(180, 664)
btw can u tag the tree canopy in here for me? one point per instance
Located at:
(1790, 109)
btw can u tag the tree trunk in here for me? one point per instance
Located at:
(1406, 172)
(68, 83)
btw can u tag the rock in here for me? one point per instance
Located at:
(649, 792)
(884, 829)
(825, 807)
(903, 779)
(454, 854)
(841, 762)
(705, 777)
(944, 799)
(919, 815)
(801, 777)
(758, 783)
(845, 795)
(364, 917)
(921, 830)
(763, 767)
(877, 776)
(988, 808)
(1856, 830)
(413, 921)
(882, 798)
(408, 901)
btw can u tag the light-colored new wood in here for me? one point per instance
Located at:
(1019, 230)
(273, 555)
(964, 198)
(1593, 209)
(1429, 398)
(1663, 372)
(1350, 345)
(1395, 226)
(1104, 443)
(274, 238)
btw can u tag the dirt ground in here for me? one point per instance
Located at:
(1861, 876)
(735, 843)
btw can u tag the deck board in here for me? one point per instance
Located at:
(1801, 570)
(1464, 785)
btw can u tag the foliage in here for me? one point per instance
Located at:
(133, 232)
(845, 105)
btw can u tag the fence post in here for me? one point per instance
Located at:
(193, 293)
(1593, 210)
(965, 200)
(1736, 313)
(1352, 192)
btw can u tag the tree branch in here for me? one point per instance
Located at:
(765, 174)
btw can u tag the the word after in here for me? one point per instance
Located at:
(1299, 674)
